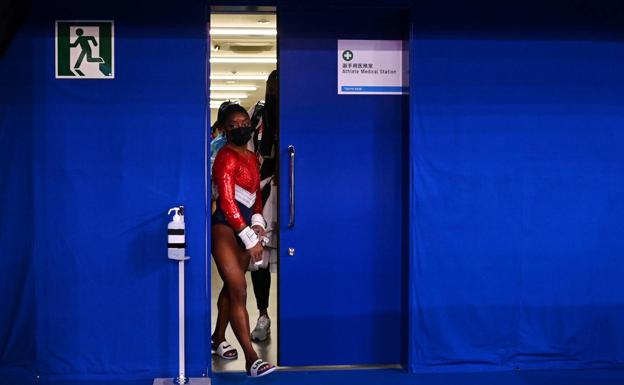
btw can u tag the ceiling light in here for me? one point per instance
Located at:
(216, 103)
(238, 77)
(256, 60)
(243, 32)
(228, 96)
(233, 88)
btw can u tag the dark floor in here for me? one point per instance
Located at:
(377, 377)
(395, 376)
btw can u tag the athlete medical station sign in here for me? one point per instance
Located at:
(372, 67)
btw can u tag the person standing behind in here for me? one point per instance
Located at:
(265, 150)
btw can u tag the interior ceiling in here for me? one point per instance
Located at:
(241, 44)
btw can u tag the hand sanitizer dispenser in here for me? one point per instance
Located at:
(176, 236)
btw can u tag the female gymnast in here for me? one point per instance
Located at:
(237, 228)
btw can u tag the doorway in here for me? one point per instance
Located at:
(243, 61)
(343, 173)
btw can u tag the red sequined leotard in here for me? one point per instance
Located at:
(237, 177)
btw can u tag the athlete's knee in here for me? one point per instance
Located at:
(238, 292)
(223, 298)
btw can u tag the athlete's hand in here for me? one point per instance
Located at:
(256, 252)
(259, 230)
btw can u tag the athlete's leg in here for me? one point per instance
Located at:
(223, 316)
(231, 262)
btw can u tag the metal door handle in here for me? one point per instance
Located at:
(291, 186)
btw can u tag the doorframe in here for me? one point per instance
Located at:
(233, 7)
(408, 247)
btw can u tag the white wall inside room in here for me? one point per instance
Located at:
(241, 37)
(251, 37)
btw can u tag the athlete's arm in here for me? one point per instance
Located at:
(223, 173)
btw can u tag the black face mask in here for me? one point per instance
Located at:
(240, 135)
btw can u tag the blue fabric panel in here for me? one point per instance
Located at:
(17, 291)
(110, 157)
(517, 200)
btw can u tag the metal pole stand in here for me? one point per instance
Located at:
(181, 379)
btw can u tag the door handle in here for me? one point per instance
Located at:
(291, 186)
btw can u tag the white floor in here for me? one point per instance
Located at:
(267, 350)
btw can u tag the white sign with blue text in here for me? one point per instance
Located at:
(372, 67)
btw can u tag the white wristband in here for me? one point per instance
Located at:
(249, 237)
(258, 219)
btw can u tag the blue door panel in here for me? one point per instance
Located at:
(341, 294)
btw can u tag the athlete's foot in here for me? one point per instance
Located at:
(259, 368)
(217, 339)
(224, 350)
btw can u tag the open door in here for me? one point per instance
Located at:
(341, 276)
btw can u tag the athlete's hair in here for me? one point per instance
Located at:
(230, 110)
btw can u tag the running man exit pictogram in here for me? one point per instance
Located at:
(84, 49)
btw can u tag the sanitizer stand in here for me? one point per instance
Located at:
(176, 251)
(181, 378)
